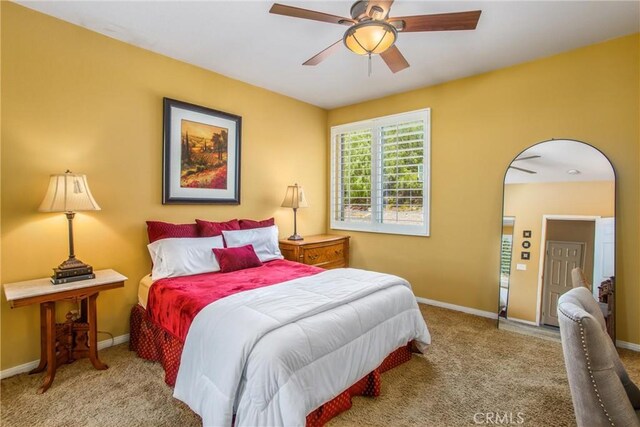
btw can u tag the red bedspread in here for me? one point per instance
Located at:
(174, 302)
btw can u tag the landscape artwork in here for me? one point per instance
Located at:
(203, 155)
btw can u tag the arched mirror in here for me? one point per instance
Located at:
(558, 214)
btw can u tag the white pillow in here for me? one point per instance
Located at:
(264, 241)
(184, 256)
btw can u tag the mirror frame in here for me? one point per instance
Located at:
(615, 216)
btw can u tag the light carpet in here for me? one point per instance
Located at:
(471, 371)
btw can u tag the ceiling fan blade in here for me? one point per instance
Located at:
(296, 12)
(324, 54)
(394, 59)
(439, 22)
(385, 5)
(527, 158)
(523, 170)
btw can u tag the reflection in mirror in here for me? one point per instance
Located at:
(505, 261)
(558, 215)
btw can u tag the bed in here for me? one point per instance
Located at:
(280, 343)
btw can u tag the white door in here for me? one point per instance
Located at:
(604, 252)
(560, 259)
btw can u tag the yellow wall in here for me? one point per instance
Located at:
(75, 99)
(528, 203)
(479, 124)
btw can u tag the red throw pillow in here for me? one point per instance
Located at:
(232, 259)
(210, 228)
(246, 224)
(163, 230)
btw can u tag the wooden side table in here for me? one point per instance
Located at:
(74, 339)
(324, 250)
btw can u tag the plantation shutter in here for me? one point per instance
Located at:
(401, 173)
(505, 255)
(379, 174)
(354, 182)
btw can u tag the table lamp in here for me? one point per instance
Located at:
(295, 198)
(69, 193)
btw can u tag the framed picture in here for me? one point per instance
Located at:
(201, 155)
(525, 255)
(526, 234)
(526, 244)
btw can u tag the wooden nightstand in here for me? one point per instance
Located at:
(76, 338)
(323, 250)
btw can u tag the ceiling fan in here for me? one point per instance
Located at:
(372, 31)
(524, 158)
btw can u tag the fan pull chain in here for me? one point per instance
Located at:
(369, 64)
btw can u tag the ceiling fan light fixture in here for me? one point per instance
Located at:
(370, 37)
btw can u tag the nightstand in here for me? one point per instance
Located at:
(76, 338)
(324, 250)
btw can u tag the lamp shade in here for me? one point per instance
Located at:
(68, 192)
(370, 37)
(295, 197)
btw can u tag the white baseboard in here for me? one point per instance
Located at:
(116, 340)
(490, 315)
(461, 308)
(628, 345)
(526, 322)
(26, 367)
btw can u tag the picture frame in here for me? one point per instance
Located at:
(525, 255)
(201, 155)
(526, 234)
(526, 244)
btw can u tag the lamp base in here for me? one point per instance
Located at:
(70, 268)
(295, 237)
(71, 263)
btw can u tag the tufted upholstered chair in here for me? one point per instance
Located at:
(579, 279)
(602, 392)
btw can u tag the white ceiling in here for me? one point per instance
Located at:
(240, 39)
(556, 158)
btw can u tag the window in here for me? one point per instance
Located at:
(505, 256)
(380, 174)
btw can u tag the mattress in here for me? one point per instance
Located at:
(143, 290)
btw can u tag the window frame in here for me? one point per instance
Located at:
(375, 125)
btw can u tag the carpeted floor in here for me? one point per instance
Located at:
(471, 369)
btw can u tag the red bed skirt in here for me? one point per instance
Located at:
(153, 343)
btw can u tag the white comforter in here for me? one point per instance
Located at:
(274, 354)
